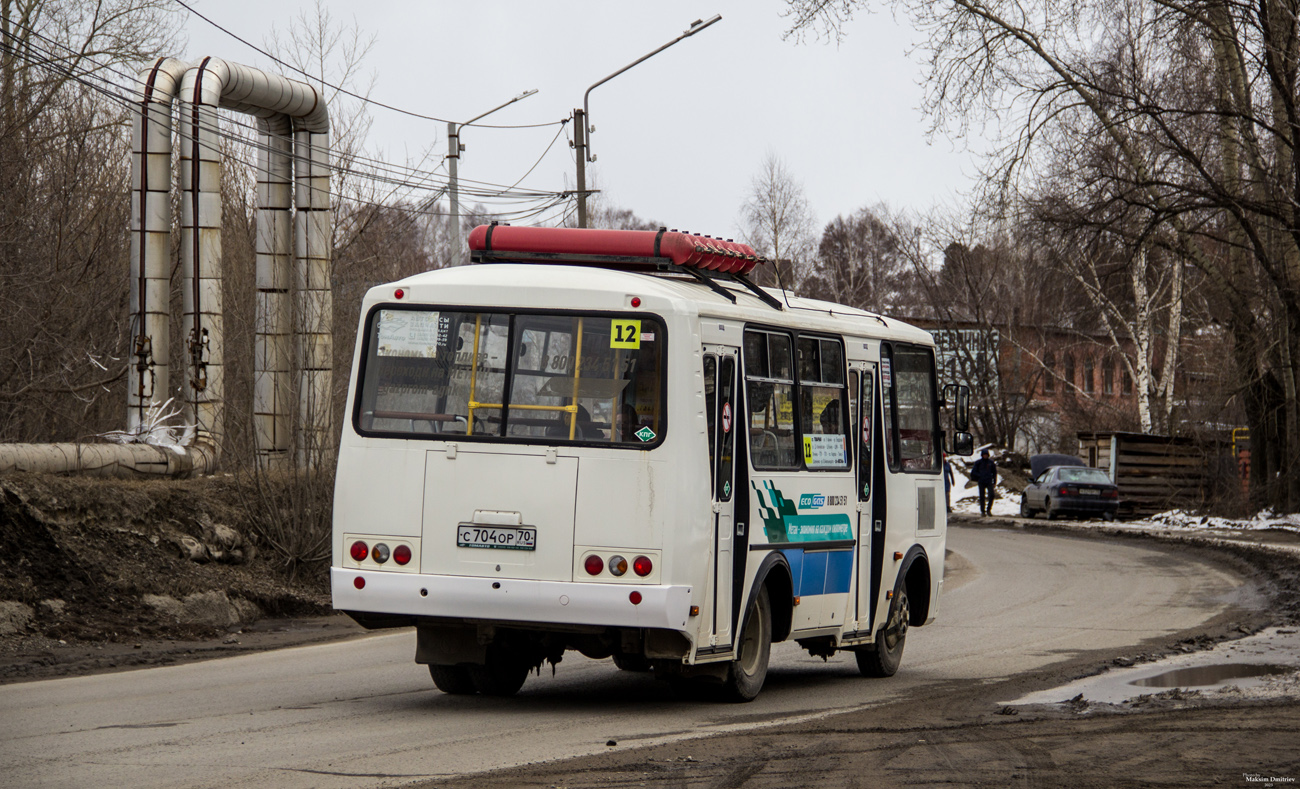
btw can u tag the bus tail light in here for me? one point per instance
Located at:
(380, 553)
(360, 551)
(617, 565)
(402, 554)
(593, 564)
(642, 566)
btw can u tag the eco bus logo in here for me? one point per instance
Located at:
(812, 501)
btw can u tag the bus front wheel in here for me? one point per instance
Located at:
(452, 679)
(747, 672)
(882, 659)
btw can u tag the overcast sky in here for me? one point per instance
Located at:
(679, 137)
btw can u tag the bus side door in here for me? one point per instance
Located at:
(720, 382)
(862, 391)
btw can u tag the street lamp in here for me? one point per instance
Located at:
(453, 155)
(582, 116)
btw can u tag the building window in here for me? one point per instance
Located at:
(1069, 371)
(1108, 377)
(1049, 378)
(1088, 376)
(1127, 381)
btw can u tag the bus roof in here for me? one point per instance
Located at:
(547, 286)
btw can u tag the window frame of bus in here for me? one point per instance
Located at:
(841, 388)
(660, 327)
(720, 441)
(793, 336)
(889, 390)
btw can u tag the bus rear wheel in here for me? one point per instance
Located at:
(452, 679)
(501, 674)
(882, 659)
(747, 672)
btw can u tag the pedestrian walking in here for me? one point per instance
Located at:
(985, 474)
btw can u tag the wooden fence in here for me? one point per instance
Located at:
(1154, 473)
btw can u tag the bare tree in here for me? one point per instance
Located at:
(778, 223)
(1212, 162)
(64, 156)
(860, 262)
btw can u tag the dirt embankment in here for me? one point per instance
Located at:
(101, 574)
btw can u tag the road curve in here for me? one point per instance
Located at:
(360, 713)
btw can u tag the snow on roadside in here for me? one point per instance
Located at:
(1181, 519)
(966, 495)
(965, 500)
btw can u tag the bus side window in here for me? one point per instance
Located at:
(769, 366)
(915, 414)
(821, 404)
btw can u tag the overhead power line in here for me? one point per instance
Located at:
(398, 177)
(345, 91)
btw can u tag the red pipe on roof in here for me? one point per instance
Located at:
(683, 249)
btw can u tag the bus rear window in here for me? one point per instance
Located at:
(540, 378)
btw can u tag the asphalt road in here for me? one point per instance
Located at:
(361, 713)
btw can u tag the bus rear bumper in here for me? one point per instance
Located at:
(511, 600)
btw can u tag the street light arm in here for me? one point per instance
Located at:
(523, 95)
(695, 27)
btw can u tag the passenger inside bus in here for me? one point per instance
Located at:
(628, 423)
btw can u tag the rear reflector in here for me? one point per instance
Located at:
(635, 597)
(359, 582)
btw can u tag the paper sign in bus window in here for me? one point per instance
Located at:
(824, 451)
(410, 333)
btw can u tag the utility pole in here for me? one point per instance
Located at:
(580, 116)
(453, 188)
(454, 147)
(580, 142)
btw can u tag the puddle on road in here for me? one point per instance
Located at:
(1209, 676)
(1253, 665)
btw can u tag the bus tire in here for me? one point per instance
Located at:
(746, 674)
(882, 659)
(628, 662)
(452, 679)
(501, 675)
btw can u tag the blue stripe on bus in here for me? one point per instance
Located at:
(814, 574)
(839, 571)
(820, 572)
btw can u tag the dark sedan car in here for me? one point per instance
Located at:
(1071, 490)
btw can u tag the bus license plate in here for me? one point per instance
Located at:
(473, 535)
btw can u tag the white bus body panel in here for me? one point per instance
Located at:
(655, 501)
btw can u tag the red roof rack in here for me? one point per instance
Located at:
(610, 248)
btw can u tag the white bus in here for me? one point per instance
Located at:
(614, 442)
